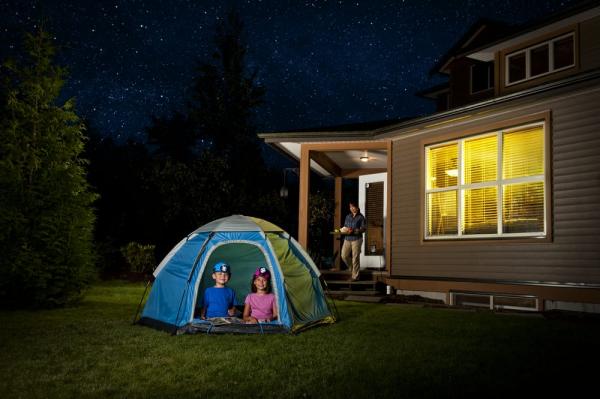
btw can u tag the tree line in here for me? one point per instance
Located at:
(71, 197)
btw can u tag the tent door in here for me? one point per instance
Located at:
(372, 194)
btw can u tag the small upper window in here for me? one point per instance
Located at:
(482, 76)
(563, 52)
(539, 60)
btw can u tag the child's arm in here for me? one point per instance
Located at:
(275, 315)
(247, 318)
(204, 306)
(232, 304)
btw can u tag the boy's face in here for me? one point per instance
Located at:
(220, 278)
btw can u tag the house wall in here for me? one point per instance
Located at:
(590, 45)
(460, 84)
(571, 255)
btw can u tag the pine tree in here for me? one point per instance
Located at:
(46, 219)
(226, 94)
(224, 99)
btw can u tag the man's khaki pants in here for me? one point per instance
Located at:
(351, 256)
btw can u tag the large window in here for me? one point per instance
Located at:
(490, 185)
(542, 59)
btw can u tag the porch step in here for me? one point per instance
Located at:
(365, 275)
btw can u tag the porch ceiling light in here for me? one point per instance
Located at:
(365, 157)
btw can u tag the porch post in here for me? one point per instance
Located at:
(303, 196)
(388, 224)
(337, 217)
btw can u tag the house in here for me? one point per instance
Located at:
(493, 200)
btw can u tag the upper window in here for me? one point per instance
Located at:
(482, 76)
(491, 185)
(541, 59)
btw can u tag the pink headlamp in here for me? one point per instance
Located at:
(262, 272)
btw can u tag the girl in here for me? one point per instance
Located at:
(260, 305)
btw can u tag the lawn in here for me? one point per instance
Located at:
(375, 350)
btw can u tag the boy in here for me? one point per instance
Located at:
(219, 301)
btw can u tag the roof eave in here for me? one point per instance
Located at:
(413, 123)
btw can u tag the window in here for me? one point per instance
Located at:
(374, 216)
(485, 186)
(482, 76)
(542, 59)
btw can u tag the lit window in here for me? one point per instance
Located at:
(540, 60)
(490, 185)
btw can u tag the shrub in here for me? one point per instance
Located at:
(139, 257)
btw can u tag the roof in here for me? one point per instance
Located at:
(433, 91)
(483, 31)
(487, 33)
(361, 129)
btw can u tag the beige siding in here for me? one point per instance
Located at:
(573, 254)
(590, 45)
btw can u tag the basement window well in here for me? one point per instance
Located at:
(494, 301)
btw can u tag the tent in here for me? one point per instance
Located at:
(244, 243)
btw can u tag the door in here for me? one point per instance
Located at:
(372, 201)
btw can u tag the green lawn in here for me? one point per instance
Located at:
(373, 351)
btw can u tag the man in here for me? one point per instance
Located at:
(356, 224)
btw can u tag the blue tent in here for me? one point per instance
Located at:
(245, 243)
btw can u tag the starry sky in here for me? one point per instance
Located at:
(321, 62)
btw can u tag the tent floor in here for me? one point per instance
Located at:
(225, 326)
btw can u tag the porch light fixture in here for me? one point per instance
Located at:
(365, 157)
(283, 191)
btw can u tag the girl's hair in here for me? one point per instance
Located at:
(253, 287)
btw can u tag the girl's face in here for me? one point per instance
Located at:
(261, 283)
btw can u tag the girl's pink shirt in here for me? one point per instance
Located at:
(261, 306)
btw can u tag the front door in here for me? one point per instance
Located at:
(372, 201)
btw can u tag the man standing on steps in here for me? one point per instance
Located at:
(355, 225)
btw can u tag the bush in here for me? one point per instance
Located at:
(139, 257)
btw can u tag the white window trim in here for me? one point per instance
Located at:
(499, 183)
(527, 52)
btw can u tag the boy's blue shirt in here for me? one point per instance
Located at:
(218, 300)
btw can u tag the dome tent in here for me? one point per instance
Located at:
(245, 243)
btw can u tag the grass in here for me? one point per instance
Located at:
(93, 351)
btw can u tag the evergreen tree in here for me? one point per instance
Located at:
(46, 219)
(224, 99)
(225, 94)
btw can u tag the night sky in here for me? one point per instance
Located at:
(321, 62)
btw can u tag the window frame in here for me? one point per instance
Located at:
(527, 52)
(499, 183)
(491, 67)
